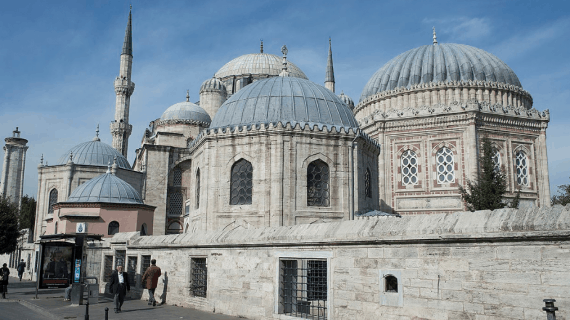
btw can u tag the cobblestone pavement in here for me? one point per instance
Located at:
(50, 305)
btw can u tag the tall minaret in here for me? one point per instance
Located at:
(12, 179)
(124, 87)
(329, 79)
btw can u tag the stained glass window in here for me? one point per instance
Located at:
(52, 200)
(241, 184)
(522, 168)
(445, 165)
(318, 184)
(409, 162)
(367, 184)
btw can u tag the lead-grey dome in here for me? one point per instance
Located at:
(95, 153)
(186, 111)
(106, 188)
(212, 85)
(258, 64)
(285, 100)
(346, 99)
(440, 62)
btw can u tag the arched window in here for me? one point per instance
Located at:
(144, 231)
(391, 284)
(445, 165)
(113, 228)
(177, 177)
(521, 162)
(241, 184)
(52, 200)
(367, 184)
(174, 227)
(409, 162)
(318, 184)
(175, 204)
(497, 161)
(198, 188)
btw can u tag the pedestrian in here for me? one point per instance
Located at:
(5, 274)
(150, 279)
(119, 286)
(21, 269)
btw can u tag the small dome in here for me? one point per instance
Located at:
(346, 99)
(443, 62)
(95, 153)
(105, 188)
(258, 64)
(285, 100)
(213, 85)
(186, 111)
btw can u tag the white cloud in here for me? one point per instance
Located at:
(461, 28)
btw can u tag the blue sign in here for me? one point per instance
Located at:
(77, 272)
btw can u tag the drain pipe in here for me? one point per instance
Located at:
(352, 146)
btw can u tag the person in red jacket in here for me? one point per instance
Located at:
(150, 279)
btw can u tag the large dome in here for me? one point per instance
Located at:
(95, 153)
(258, 64)
(105, 188)
(186, 111)
(439, 62)
(285, 100)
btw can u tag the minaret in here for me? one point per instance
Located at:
(124, 87)
(329, 79)
(12, 179)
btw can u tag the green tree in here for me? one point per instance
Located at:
(9, 231)
(488, 189)
(563, 196)
(28, 213)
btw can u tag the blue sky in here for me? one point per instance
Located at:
(58, 59)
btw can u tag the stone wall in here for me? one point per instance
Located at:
(464, 265)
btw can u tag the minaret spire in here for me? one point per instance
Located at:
(124, 87)
(329, 78)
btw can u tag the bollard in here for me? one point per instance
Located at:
(550, 309)
(87, 310)
(106, 313)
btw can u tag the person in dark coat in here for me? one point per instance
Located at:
(150, 280)
(21, 269)
(119, 285)
(5, 275)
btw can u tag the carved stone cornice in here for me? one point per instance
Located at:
(181, 121)
(124, 87)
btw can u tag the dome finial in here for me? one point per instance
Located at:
(97, 134)
(187, 95)
(70, 158)
(284, 72)
(114, 166)
(434, 36)
(261, 48)
(109, 167)
(42, 160)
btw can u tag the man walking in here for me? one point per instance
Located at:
(150, 279)
(119, 286)
(21, 269)
(4, 275)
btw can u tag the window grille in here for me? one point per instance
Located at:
(113, 228)
(177, 177)
(409, 162)
(522, 168)
(52, 200)
(303, 288)
(199, 277)
(367, 184)
(497, 161)
(445, 163)
(241, 187)
(120, 258)
(175, 204)
(318, 184)
(132, 269)
(145, 263)
(197, 188)
(391, 284)
(107, 268)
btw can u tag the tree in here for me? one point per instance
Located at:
(28, 213)
(563, 196)
(488, 189)
(9, 231)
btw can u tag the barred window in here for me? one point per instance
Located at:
(445, 163)
(409, 162)
(113, 228)
(199, 277)
(177, 177)
(107, 268)
(52, 200)
(367, 184)
(497, 161)
(303, 288)
(318, 184)
(120, 256)
(175, 204)
(132, 269)
(522, 168)
(145, 263)
(198, 188)
(241, 185)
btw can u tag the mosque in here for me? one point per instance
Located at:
(266, 147)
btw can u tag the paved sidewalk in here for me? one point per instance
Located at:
(50, 305)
